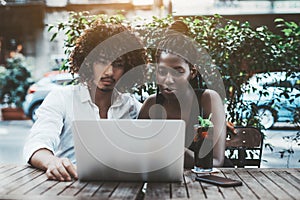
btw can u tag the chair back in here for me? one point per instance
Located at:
(245, 147)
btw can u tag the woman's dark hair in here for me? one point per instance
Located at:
(177, 42)
(180, 27)
(88, 49)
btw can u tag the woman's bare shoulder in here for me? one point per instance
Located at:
(144, 112)
(151, 100)
(212, 94)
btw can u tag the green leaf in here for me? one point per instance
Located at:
(53, 37)
(50, 28)
(205, 122)
(279, 20)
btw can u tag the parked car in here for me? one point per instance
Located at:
(277, 96)
(39, 90)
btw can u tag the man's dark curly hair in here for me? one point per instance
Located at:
(124, 50)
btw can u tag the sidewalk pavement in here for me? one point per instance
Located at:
(274, 136)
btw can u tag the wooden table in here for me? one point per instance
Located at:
(24, 182)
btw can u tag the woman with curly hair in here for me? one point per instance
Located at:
(101, 56)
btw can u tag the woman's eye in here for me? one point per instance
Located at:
(162, 71)
(177, 73)
(181, 71)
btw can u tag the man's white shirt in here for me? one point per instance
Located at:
(61, 107)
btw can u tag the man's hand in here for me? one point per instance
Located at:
(61, 169)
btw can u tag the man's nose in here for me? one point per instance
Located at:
(108, 70)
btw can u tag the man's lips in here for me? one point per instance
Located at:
(107, 80)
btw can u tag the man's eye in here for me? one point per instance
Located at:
(117, 64)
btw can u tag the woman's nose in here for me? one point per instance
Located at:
(169, 78)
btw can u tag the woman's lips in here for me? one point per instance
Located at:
(168, 90)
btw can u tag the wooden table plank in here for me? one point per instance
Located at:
(89, 189)
(127, 190)
(229, 192)
(47, 197)
(295, 173)
(282, 183)
(23, 182)
(11, 171)
(158, 191)
(44, 186)
(194, 189)
(211, 191)
(269, 185)
(254, 185)
(245, 192)
(39, 197)
(30, 185)
(289, 178)
(106, 189)
(178, 190)
(57, 188)
(18, 180)
(6, 168)
(73, 189)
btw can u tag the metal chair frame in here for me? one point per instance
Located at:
(247, 142)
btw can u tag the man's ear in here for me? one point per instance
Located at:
(193, 72)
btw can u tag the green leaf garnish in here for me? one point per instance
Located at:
(205, 122)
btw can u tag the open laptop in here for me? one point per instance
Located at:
(129, 150)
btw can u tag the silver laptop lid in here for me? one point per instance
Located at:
(129, 150)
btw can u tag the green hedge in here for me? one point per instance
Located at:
(237, 50)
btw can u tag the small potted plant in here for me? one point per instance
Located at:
(15, 80)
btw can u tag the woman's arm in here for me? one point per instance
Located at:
(189, 161)
(212, 103)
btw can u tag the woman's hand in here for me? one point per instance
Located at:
(230, 127)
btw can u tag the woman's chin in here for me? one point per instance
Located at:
(169, 94)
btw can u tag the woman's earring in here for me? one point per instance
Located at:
(193, 73)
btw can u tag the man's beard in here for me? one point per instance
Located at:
(105, 90)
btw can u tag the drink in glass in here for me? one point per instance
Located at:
(203, 151)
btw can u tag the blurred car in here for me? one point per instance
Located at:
(277, 96)
(39, 90)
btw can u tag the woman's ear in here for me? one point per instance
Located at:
(193, 72)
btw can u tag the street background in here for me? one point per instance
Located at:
(13, 135)
(38, 47)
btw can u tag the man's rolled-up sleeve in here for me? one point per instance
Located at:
(45, 132)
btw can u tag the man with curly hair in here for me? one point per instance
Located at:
(102, 55)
